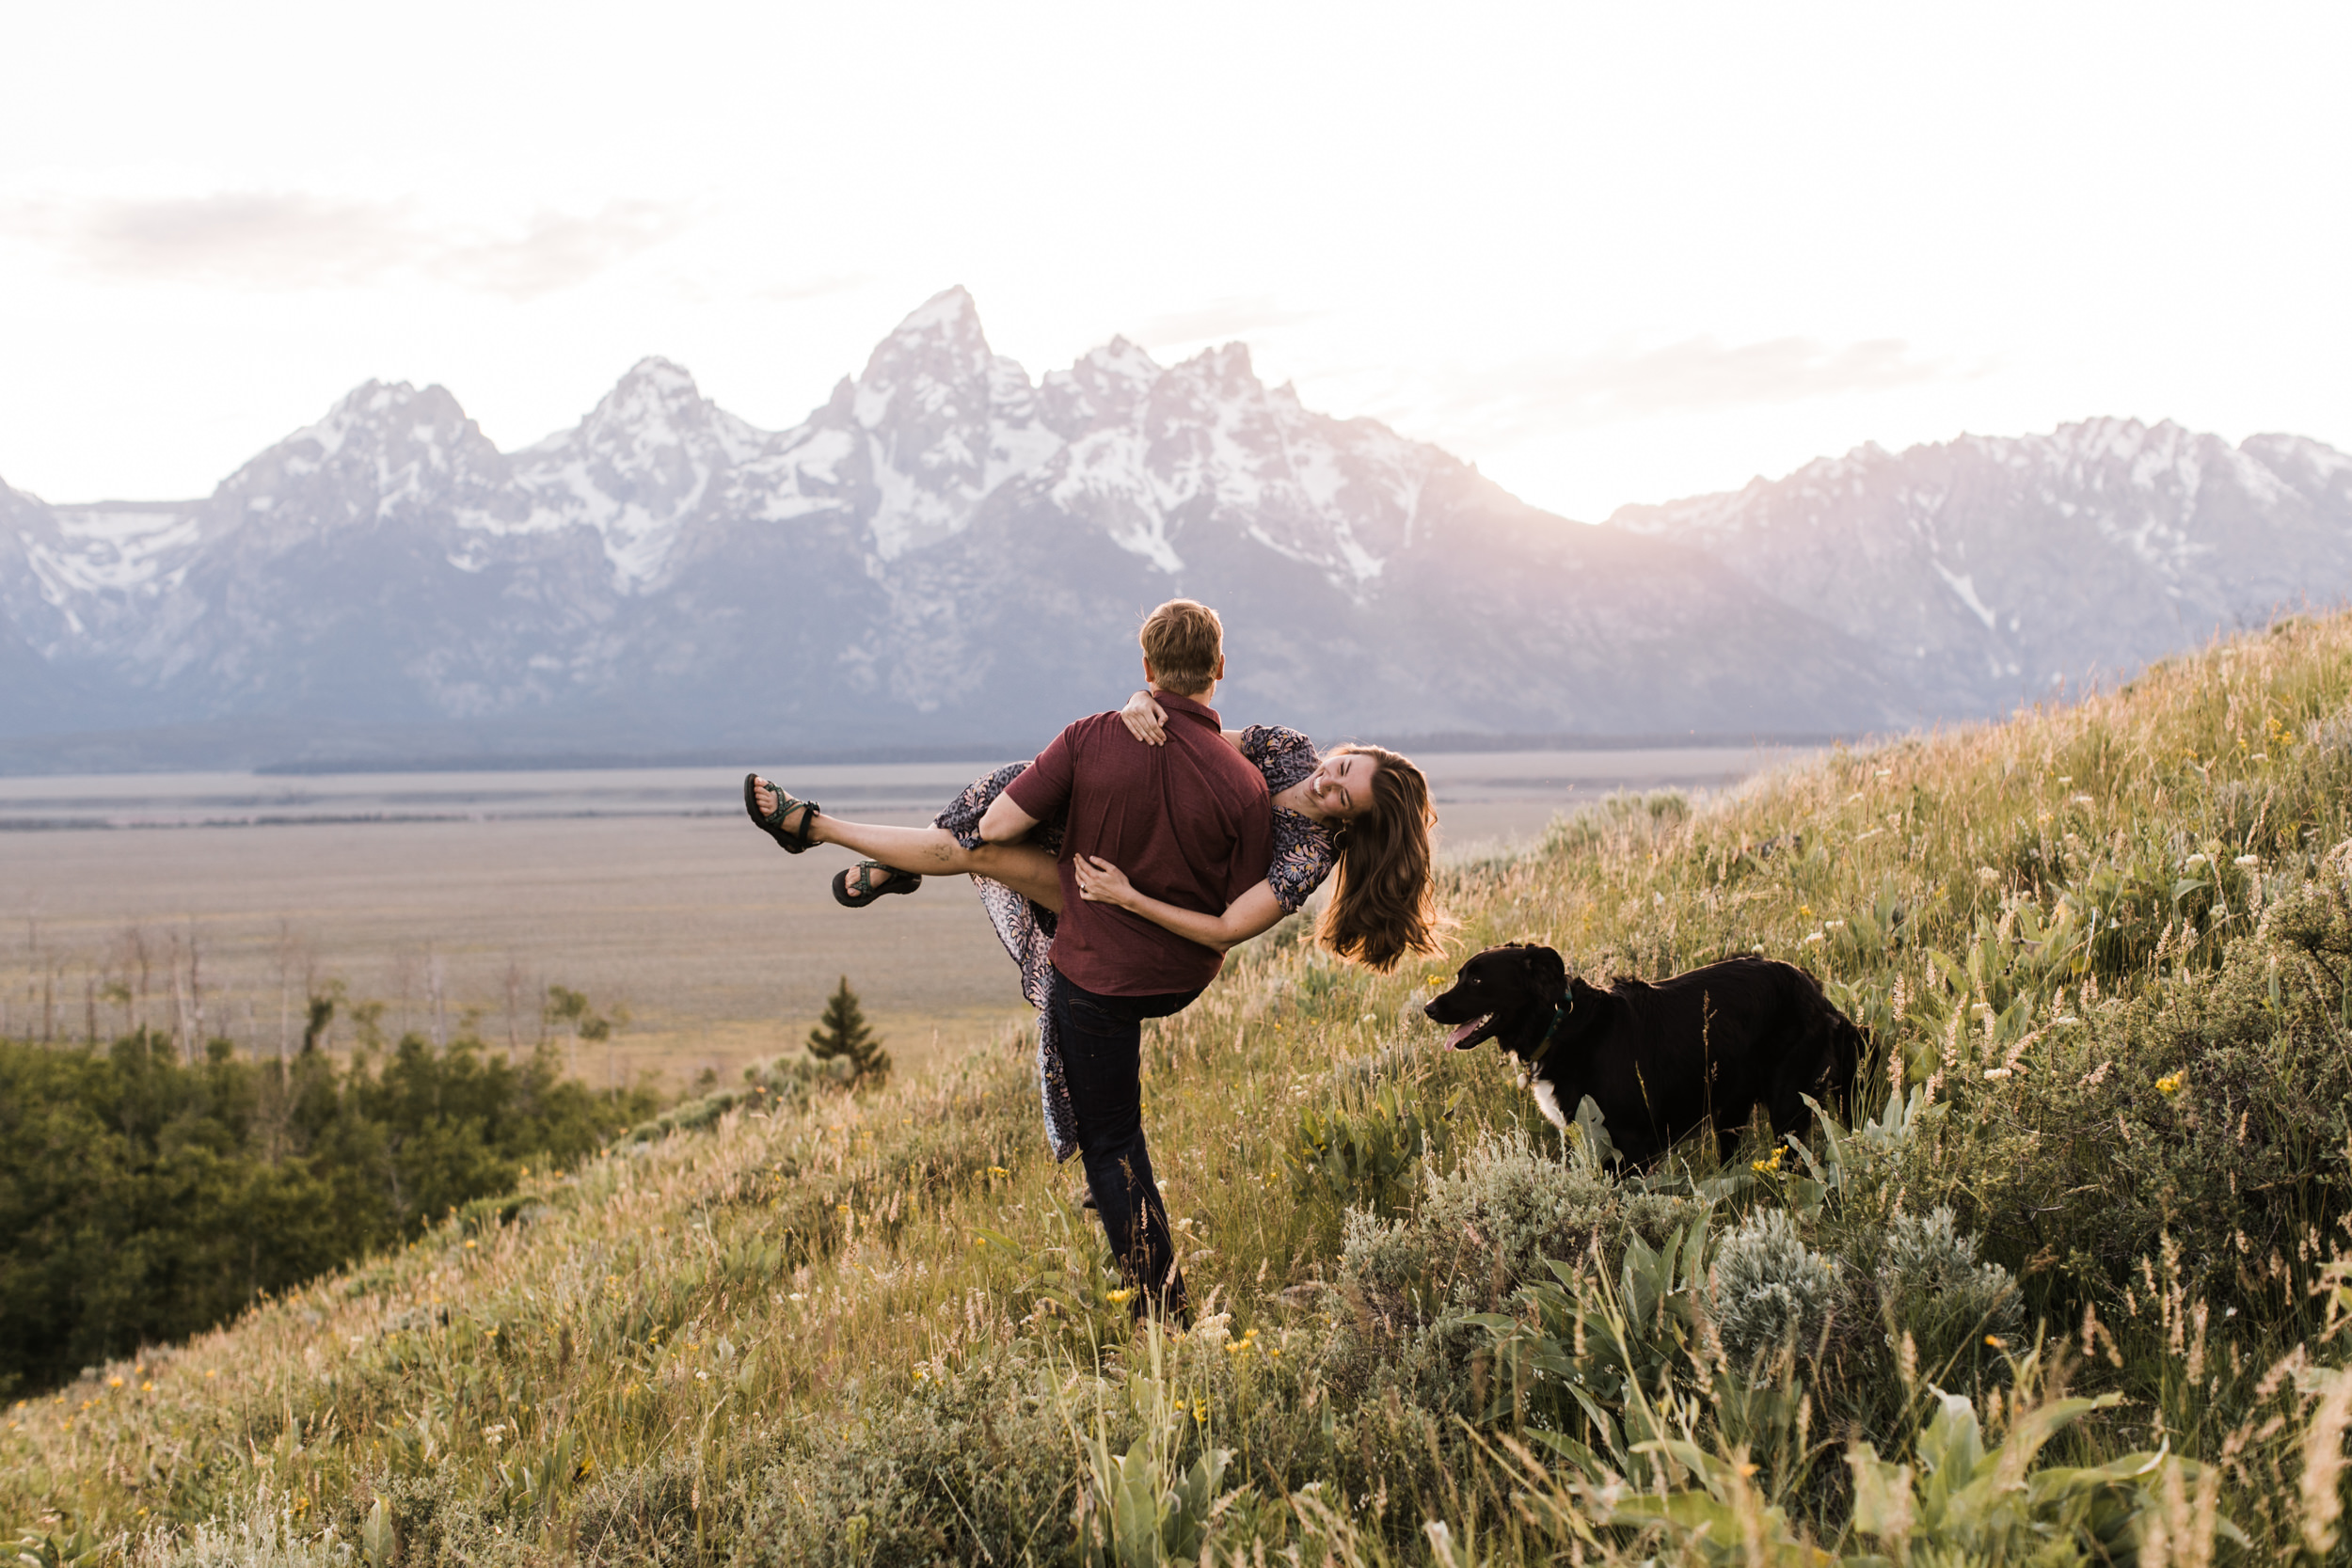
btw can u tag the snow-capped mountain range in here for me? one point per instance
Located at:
(948, 553)
(2002, 568)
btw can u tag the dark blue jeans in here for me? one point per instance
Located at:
(1102, 1056)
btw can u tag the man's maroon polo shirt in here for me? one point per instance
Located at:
(1188, 822)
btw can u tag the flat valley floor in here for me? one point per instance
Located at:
(457, 899)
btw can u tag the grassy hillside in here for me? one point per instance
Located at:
(2068, 1287)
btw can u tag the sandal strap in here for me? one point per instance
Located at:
(795, 839)
(856, 885)
(862, 877)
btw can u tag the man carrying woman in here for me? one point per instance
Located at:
(1119, 873)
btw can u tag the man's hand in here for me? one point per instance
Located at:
(1005, 822)
(1145, 719)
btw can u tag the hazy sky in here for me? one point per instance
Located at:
(1612, 252)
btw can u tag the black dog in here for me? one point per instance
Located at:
(1660, 1059)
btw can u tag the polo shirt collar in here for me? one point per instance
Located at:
(1173, 704)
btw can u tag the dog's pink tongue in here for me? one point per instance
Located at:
(1464, 1032)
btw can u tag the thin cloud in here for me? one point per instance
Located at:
(1697, 375)
(1223, 317)
(277, 239)
(558, 249)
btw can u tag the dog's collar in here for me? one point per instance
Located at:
(1558, 1016)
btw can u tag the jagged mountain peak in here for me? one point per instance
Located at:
(373, 410)
(656, 406)
(1227, 366)
(383, 449)
(936, 354)
(939, 421)
(653, 383)
(952, 311)
(1102, 386)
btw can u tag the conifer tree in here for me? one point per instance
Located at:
(843, 1032)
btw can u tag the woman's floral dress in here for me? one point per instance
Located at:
(1304, 852)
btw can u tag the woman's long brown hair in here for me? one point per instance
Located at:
(1382, 906)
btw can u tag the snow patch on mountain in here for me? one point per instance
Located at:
(102, 551)
(1962, 584)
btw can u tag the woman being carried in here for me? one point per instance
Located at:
(1361, 811)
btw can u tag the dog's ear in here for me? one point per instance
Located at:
(1550, 970)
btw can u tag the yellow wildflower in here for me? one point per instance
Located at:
(1767, 1167)
(2170, 1084)
(1119, 1298)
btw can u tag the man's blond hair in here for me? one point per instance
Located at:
(1182, 640)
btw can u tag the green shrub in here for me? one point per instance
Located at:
(649, 1513)
(1413, 1287)
(1770, 1294)
(1933, 1289)
(1487, 1226)
(780, 1084)
(943, 1471)
(1364, 1155)
(2214, 1111)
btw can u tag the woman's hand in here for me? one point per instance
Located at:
(1145, 720)
(1100, 882)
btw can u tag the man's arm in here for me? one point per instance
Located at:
(1005, 822)
(1035, 794)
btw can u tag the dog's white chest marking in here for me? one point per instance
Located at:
(1547, 1100)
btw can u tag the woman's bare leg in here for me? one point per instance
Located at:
(934, 852)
